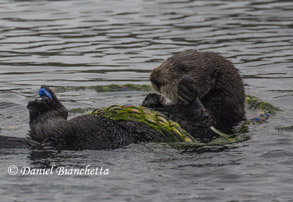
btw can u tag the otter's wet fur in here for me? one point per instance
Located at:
(50, 127)
(217, 83)
(205, 89)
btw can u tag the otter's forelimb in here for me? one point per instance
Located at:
(189, 111)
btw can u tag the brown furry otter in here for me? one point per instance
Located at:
(205, 89)
(200, 78)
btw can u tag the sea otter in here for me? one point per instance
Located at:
(208, 77)
(205, 90)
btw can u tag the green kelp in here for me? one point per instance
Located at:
(264, 109)
(171, 130)
(258, 104)
(105, 88)
(125, 87)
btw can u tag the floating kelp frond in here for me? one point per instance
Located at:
(242, 127)
(264, 109)
(229, 139)
(59, 89)
(171, 130)
(125, 87)
(258, 104)
(286, 128)
(217, 144)
(105, 88)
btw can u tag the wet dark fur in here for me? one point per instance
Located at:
(205, 89)
(50, 127)
(217, 84)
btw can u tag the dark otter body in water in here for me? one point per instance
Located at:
(205, 89)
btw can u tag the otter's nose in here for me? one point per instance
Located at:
(155, 79)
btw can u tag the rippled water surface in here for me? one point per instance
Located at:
(88, 42)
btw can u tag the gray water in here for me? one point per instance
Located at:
(88, 42)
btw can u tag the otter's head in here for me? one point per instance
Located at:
(166, 77)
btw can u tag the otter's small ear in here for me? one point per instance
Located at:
(216, 73)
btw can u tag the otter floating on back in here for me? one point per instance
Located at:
(206, 94)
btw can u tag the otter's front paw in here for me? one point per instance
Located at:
(35, 104)
(186, 91)
(39, 104)
(154, 100)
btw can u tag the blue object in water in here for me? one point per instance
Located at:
(255, 119)
(43, 91)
